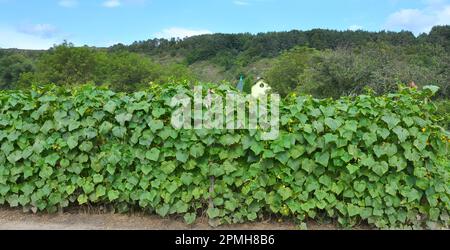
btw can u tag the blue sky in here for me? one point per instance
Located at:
(38, 24)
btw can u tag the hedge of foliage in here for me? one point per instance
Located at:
(381, 160)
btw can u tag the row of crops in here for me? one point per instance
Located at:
(380, 160)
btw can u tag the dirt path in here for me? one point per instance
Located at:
(17, 220)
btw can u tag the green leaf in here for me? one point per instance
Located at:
(113, 195)
(391, 149)
(38, 146)
(353, 210)
(390, 120)
(283, 157)
(156, 125)
(213, 213)
(86, 146)
(257, 147)
(110, 107)
(323, 158)
(163, 210)
(167, 132)
(198, 150)
(74, 125)
(72, 142)
(311, 139)
(182, 156)
(186, 178)
(14, 156)
(401, 133)
(172, 187)
(231, 206)
(434, 214)
(228, 140)
(252, 216)
(123, 118)
(384, 133)
(82, 199)
(285, 192)
(359, 186)
(216, 170)
(378, 150)
(27, 189)
(431, 89)
(13, 200)
(398, 162)
(119, 132)
(153, 154)
(190, 218)
(158, 112)
(352, 168)
(413, 195)
(330, 138)
(97, 178)
(369, 138)
(332, 123)
(105, 128)
(48, 125)
(52, 159)
(70, 189)
(45, 172)
(351, 126)
(318, 126)
(297, 151)
(325, 180)
(7, 147)
(64, 163)
(421, 142)
(168, 167)
(146, 169)
(4, 189)
(100, 191)
(380, 168)
(308, 165)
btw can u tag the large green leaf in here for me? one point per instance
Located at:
(153, 154)
(197, 150)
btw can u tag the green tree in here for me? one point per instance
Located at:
(11, 67)
(286, 74)
(68, 65)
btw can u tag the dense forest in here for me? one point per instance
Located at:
(324, 63)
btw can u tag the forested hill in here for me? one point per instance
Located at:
(324, 63)
(247, 47)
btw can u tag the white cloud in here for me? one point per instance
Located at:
(443, 16)
(111, 3)
(355, 27)
(436, 12)
(249, 2)
(68, 3)
(41, 30)
(12, 38)
(176, 32)
(118, 3)
(241, 2)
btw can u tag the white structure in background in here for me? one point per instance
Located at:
(260, 89)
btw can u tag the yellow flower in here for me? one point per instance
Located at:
(424, 130)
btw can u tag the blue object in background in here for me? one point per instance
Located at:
(240, 85)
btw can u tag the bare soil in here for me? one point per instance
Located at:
(14, 219)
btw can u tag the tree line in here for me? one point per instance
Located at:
(324, 63)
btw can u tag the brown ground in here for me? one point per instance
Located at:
(18, 220)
